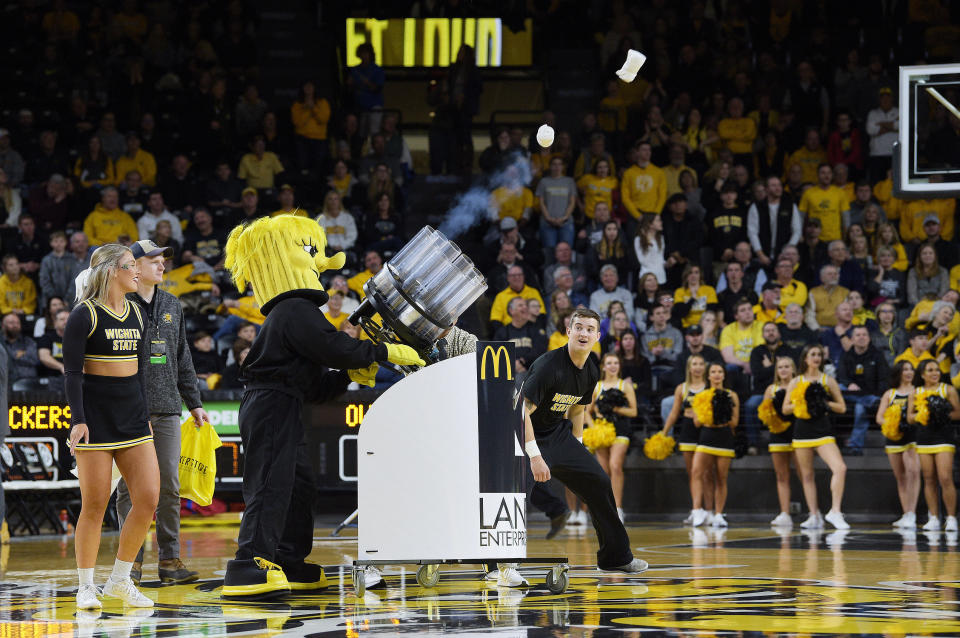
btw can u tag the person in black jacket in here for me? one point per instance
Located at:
(763, 361)
(682, 237)
(864, 372)
(529, 340)
(726, 225)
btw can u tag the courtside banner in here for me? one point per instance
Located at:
(501, 462)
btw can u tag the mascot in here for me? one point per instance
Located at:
(291, 361)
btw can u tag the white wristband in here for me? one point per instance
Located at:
(580, 440)
(532, 449)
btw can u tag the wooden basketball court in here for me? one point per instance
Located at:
(868, 581)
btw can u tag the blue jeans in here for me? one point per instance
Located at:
(550, 236)
(230, 326)
(863, 404)
(751, 422)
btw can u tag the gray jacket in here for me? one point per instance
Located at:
(56, 277)
(167, 383)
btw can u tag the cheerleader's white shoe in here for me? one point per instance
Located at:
(950, 525)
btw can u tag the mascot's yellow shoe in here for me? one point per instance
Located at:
(305, 576)
(254, 577)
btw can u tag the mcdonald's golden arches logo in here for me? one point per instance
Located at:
(495, 357)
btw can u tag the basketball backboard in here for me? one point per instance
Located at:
(926, 161)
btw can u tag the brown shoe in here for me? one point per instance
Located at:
(173, 571)
(136, 572)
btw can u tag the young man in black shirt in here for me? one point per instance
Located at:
(560, 385)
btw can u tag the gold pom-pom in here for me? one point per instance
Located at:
(799, 399)
(891, 422)
(703, 407)
(601, 434)
(923, 410)
(769, 417)
(659, 446)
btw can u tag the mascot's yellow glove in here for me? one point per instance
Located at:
(365, 376)
(402, 355)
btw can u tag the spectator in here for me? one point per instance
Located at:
(334, 312)
(18, 294)
(597, 186)
(763, 359)
(883, 127)
(648, 246)
(133, 194)
(794, 333)
(163, 238)
(179, 188)
(773, 223)
(661, 343)
(516, 287)
(682, 237)
(927, 277)
(223, 192)
(44, 323)
(727, 225)
(862, 199)
(563, 281)
(791, 290)
(56, 269)
(825, 298)
(845, 145)
(47, 161)
(917, 349)
(885, 283)
(365, 82)
(615, 325)
(156, 211)
(808, 99)
(733, 290)
(753, 275)
(675, 168)
(808, 158)
(558, 197)
(50, 349)
(381, 181)
(11, 162)
(339, 225)
(694, 343)
(644, 186)
(527, 247)
(310, 116)
(343, 181)
(738, 132)
(395, 147)
(507, 257)
(107, 223)
(694, 297)
(889, 339)
(563, 256)
(249, 206)
(826, 203)
(349, 302)
(865, 374)
(249, 112)
(373, 264)
(530, 341)
(513, 200)
(136, 159)
(231, 373)
(930, 221)
(206, 361)
(887, 238)
(609, 291)
(113, 143)
(739, 338)
(768, 310)
(851, 275)
(203, 243)
(839, 337)
(383, 229)
(21, 350)
(285, 199)
(80, 249)
(591, 155)
(259, 167)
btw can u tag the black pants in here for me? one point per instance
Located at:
(278, 484)
(544, 499)
(576, 468)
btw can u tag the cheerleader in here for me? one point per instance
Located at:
(934, 406)
(688, 435)
(781, 434)
(717, 412)
(901, 441)
(614, 400)
(809, 397)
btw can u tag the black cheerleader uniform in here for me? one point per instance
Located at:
(931, 440)
(781, 441)
(909, 437)
(621, 424)
(688, 434)
(114, 408)
(716, 440)
(808, 433)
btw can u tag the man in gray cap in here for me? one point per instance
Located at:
(946, 252)
(170, 376)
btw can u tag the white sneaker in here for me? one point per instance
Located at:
(88, 597)
(718, 521)
(900, 521)
(584, 517)
(126, 591)
(836, 519)
(689, 519)
(372, 577)
(709, 521)
(700, 517)
(620, 513)
(493, 576)
(950, 525)
(814, 521)
(908, 521)
(782, 520)
(932, 524)
(508, 576)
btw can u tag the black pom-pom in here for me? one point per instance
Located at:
(816, 396)
(722, 407)
(939, 412)
(610, 399)
(740, 444)
(778, 398)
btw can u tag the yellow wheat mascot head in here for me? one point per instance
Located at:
(278, 254)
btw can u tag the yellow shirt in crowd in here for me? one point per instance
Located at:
(672, 174)
(705, 295)
(259, 173)
(143, 162)
(794, 292)
(18, 295)
(808, 161)
(913, 213)
(104, 226)
(827, 205)
(596, 189)
(883, 191)
(510, 202)
(356, 282)
(643, 190)
(743, 340)
(738, 134)
(311, 122)
(498, 311)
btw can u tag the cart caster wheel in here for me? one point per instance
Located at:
(558, 580)
(359, 584)
(428, 575)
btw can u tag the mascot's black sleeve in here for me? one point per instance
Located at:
(297, 346)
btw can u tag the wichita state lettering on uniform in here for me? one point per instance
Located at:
(562, 402)
(124, 339)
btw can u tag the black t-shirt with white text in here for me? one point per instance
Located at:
(554, 384)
